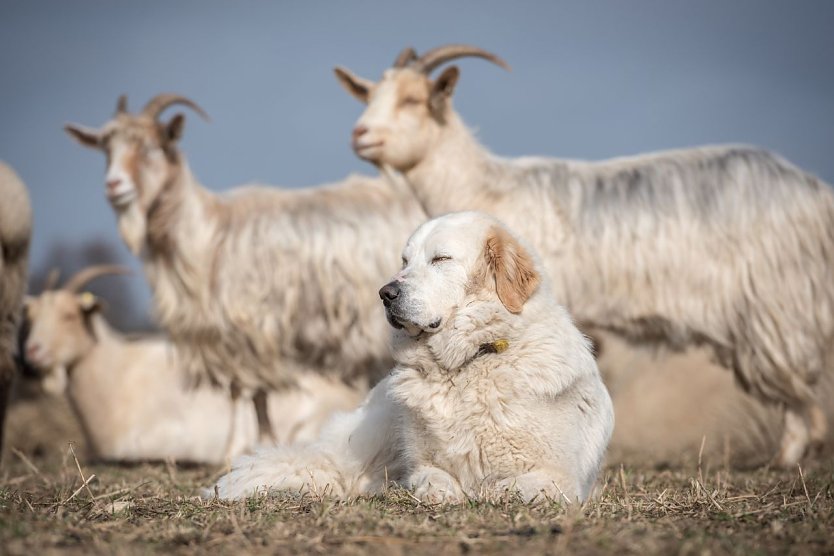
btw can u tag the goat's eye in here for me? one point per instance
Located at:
(405, 262)
(68, 316)
(440, 258)
(411, 101)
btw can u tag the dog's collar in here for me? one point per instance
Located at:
(498, 346)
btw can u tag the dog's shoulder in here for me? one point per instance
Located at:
(552, 354)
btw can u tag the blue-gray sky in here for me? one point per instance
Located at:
(591, 79)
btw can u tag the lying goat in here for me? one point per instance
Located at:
(131, 398)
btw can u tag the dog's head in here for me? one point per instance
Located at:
(453, 261)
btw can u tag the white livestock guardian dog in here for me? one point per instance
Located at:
(494, 388)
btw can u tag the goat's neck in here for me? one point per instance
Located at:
(455, 173)
(183, 240)
(183, 217)
(180, 216)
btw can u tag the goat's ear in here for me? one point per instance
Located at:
(516, 278)
(89, 303)
(357, 86)
(443, 87)
(174, 128)
(84, 135)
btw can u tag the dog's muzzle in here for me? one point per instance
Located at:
(389, 293)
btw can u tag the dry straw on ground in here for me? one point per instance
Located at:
(64, 504)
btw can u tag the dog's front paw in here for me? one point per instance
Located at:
(434, 486)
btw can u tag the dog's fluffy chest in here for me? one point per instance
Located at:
(472, 423)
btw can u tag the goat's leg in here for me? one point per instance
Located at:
(795, 438)
(265, 433)
(234, 396)
(817, 425)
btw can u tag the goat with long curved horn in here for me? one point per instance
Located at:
(196, 245)
(157, 104)
(91, 273)
(781, 362)
(442, 54)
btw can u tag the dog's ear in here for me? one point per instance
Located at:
(515, 274)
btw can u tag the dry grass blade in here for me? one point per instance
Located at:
(120, 492)
(805, 487)
(700, 458)
(85, 483)
(26, 461)
(623, 482)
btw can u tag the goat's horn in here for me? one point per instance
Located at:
(157, 104)
(121, 105)
(436, 56)
(407, 56)
(51, 279)
(92, 272)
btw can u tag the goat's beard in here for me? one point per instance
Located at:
(133, 227)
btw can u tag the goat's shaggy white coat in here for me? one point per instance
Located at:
(674, 408)
(453, 420)
(132, 399)
(253, 282)
(15, 233)
(731, 247)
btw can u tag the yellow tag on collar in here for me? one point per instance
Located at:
(501, 345)
(498, 346)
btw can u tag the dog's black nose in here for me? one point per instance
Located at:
(389, 292)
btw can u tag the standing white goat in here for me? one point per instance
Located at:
(131, 398)
(732, 247)
(251, 283)
(15, 233)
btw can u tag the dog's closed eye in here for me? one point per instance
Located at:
(440, 259)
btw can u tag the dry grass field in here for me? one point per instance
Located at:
(60, 503)
(684, 508)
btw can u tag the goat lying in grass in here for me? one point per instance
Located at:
(132, 399)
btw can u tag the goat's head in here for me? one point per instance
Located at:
(141, 150)
(406, 108)
(60, 330)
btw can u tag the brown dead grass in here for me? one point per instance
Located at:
(46, 507)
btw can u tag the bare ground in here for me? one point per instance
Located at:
(46, 507)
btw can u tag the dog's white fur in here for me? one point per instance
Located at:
(452, 421)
